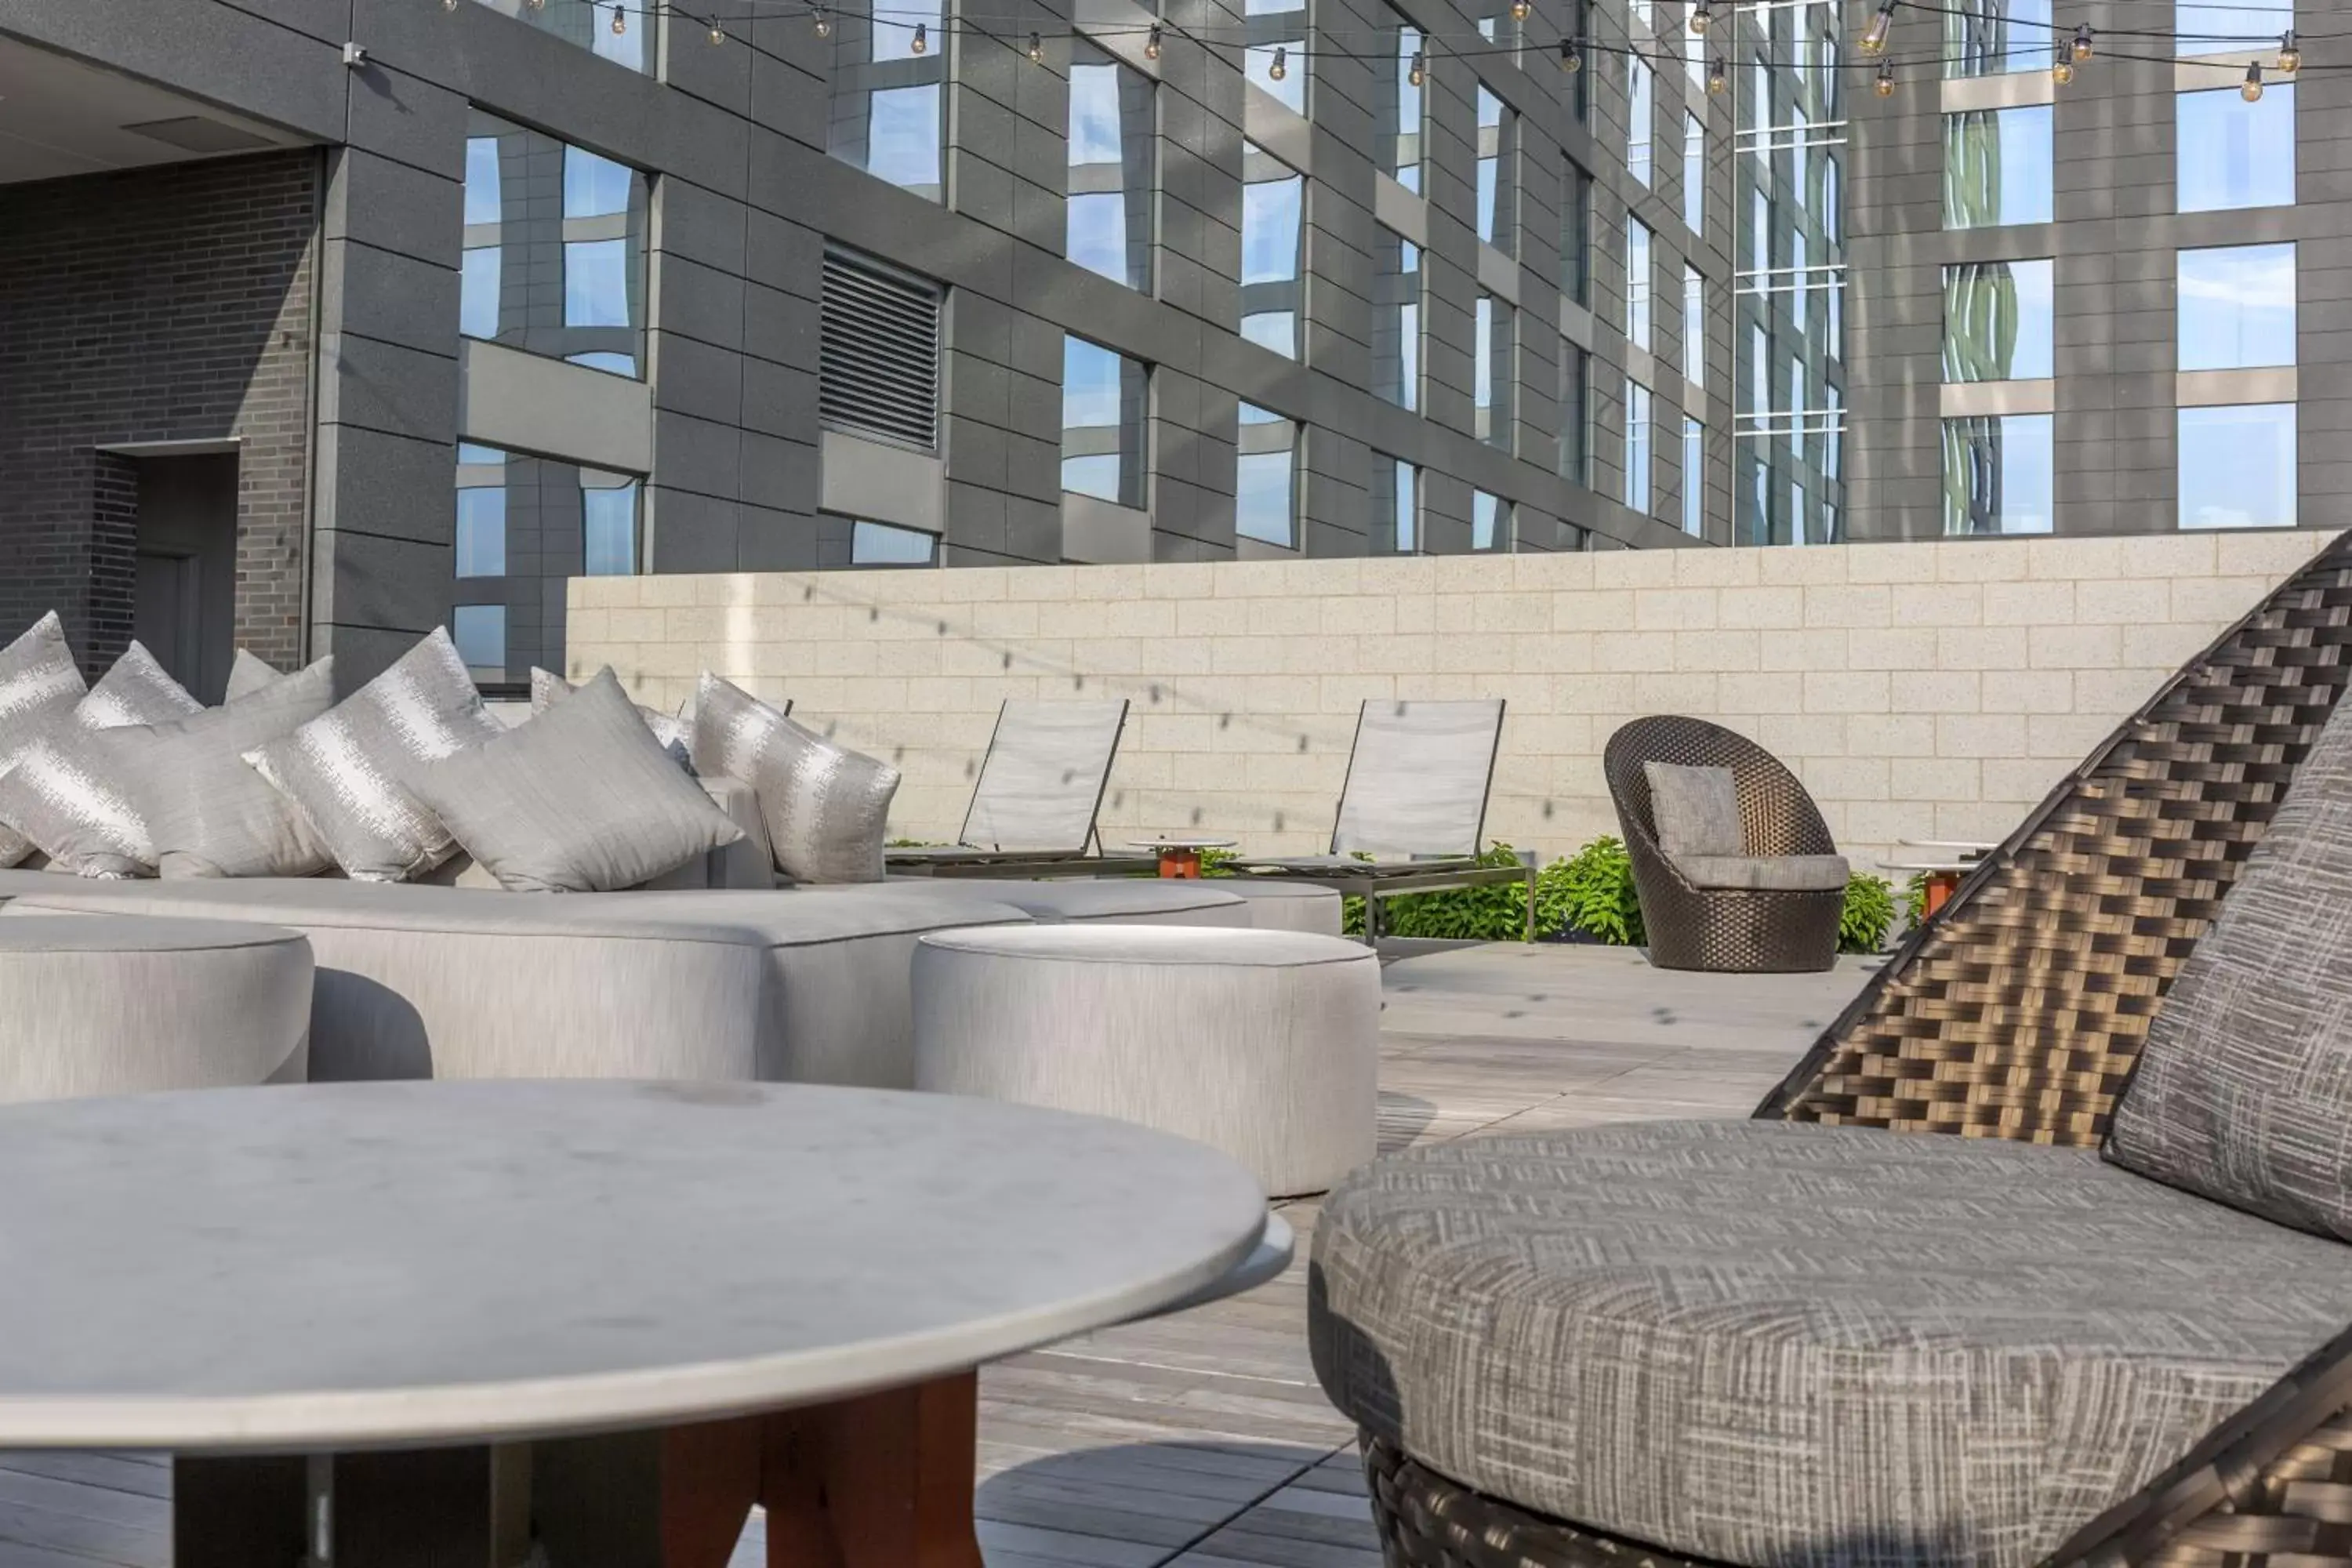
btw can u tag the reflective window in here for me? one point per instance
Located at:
(1111, 148)
(1998, 474)
(1277, 42)
(1640, 113)
(1797, 410)
(591, 241)
(1490, 521)
(889, 71)
(1396, 504)
(1986, 38)
(2221, 28)
(2237, 307)
(1104, 401)
(1759, 233)
(886, 544)
(1997, 167)
(1637, 283)
(1272, 203)
(1491, 372)
(1265, 497)
(1800, 277)
(2237, 467)
(1694, 478)
(1637, 445)
(525, 525)
(1999, 321)
(1397, 137)
(1396, 318)
(1576, 238)
(1694, 326)
(1575, 415)
(1497, 154)
(2234, 154)
(1694, 175)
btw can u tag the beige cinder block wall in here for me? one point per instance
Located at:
(1921, 690)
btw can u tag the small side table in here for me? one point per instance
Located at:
(1179, 857)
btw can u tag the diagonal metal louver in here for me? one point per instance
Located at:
(878, 352)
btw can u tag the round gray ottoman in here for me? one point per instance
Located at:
(118, 1005)
(1278, 905)
(1262, 1043)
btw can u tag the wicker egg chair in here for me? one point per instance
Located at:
(2020, 1014)
(1729, 930)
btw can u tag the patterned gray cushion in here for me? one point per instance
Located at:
(580, 799)
(248, 673)
(73, 790)
(1696, 809)
(346, 771)
(2244, 1088)
(1765, 873)
(39, 684)
(676, 735)
(208, 813)
(827, 808)
(1799, 1345)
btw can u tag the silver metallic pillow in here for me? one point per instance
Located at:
(827, 808)
(347, 772)
(39, 684)
(580, 799)
(676, 735)
(137, 691)
(73, 792)
(210, 815)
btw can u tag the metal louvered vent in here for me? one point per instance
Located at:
(878, 352)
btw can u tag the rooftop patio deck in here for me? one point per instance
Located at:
(1201, 1440)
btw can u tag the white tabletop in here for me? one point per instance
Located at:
(1173, 843)
(344, 1264)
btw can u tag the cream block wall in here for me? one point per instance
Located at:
(1922, 690)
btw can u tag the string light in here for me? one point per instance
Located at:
(2062, 68)
(1037, 49)
(1281, 67)
(449, 5)
(1885, 83)
(1700, 15)
(1521, 10)
(536, 4)
(2082, 40)
(2252, 89)
(717, 32)
(1417, 75)
(1571, 58)
(1151, 43)
(620, 20)
(1874, 38)
(921, 42)
(819, 23)
(1718, 77)
(2290, 57)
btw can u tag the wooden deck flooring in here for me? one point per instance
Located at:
(1201, 1440)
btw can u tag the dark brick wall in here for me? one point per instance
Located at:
(167, 304)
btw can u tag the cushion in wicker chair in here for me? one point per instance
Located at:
(1793, 1345)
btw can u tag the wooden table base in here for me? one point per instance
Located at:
(883, 1480)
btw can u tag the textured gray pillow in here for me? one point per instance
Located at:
(2244, 1092)
(39, 684)
(137, 691)
(1696, 809)
(208, 813)
(676, 735)
(580, 799)
(248, 673)
(347, 772)
(827, 808)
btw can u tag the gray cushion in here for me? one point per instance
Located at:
(39, 684)
(208, 813)
(136, 690)
(2244, 1088)
(1696, 809)
(248, 673)
(1799, 1345)
(346, 771)
(1765, 873)
(1150, 900)
(676, 735)
(827, 808)
(580, 799)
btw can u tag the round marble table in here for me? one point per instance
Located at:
(371, 1321)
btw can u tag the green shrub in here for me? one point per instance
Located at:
(1869, 911)
(1914, 900)
(1591, 891)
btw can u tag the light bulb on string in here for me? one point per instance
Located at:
(1718, 77)
(536, 4)
(1281, 66)
(1521, 10)
(1037, 49)
(1885, 83)
(2082, 40)
(1416, 76)
(2062, 68)
(2251, 88)
(921, 42)
(1571, 58)
(1151, 43)
(819, 23)
(1700, 16)
(449, 5)
(1882, 23)
(620, 21)
(2290, 59)
(717, 32)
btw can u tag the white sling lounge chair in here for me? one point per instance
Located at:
(1032, 808)
(1414, 803)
